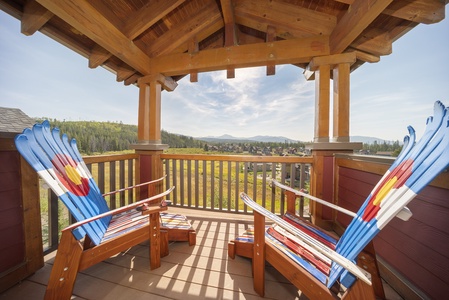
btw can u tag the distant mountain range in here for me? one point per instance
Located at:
(226, 138)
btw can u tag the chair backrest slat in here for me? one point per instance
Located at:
(416, 166)
(59, 163)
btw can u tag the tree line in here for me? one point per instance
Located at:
(98, 137)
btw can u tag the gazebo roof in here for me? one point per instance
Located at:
(134, 38)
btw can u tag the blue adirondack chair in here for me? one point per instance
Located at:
(99, 232)
(300, 251)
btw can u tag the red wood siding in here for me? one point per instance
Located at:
(418, 248)
(12, 246)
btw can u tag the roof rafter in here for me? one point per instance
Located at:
(34, 17)
(355, 21)
(86, 19)
(182, 33)
(230, 38)
(147, 16)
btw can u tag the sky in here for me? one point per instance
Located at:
(45, 79)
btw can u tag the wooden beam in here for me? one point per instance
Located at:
(34, 17)
(86, 19)
(271, 37)
(366, 57)
(242, 56)
(98, 56)
(332, 60)
(374, 41)
(132, 79)
(359, 15)
(167, 82)
(124, 72)
(147, 16)
(291, 21)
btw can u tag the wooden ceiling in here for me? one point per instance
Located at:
(134, 38)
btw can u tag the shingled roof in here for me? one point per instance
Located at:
(13, 121)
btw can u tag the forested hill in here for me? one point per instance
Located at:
(98, 137)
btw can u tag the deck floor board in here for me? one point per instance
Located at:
(203, 271)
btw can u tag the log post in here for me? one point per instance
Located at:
(323, 147)
(149, 144)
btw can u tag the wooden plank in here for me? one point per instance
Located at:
(355, 20)
(279, 52)
(85, 18)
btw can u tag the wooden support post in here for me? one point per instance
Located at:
(341, 74)
(149, 136)
(322, 104)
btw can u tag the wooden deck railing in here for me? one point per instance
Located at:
(214, 182)
(208, 182)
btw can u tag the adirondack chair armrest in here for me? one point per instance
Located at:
(135, 186)
(154, 209)
(404, 214)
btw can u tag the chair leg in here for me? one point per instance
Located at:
(192, 238)
(164, 243)
(155, 240)
(65, 268)
(259, 254)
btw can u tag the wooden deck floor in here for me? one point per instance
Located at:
(203, 271)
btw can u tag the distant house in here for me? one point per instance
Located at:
(13, 121)
(384, 153)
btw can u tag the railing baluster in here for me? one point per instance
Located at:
(220, 185)
(112, 187)
(237, 186)
(175, 182)
(130, 180)
(181, 181)
(197, 183)
(212, 185)
(122, 182)
(204, 184)
(189, 183)
(229, 194)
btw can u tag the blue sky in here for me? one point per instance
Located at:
(46, 79)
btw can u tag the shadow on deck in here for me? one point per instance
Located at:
(203, 271)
